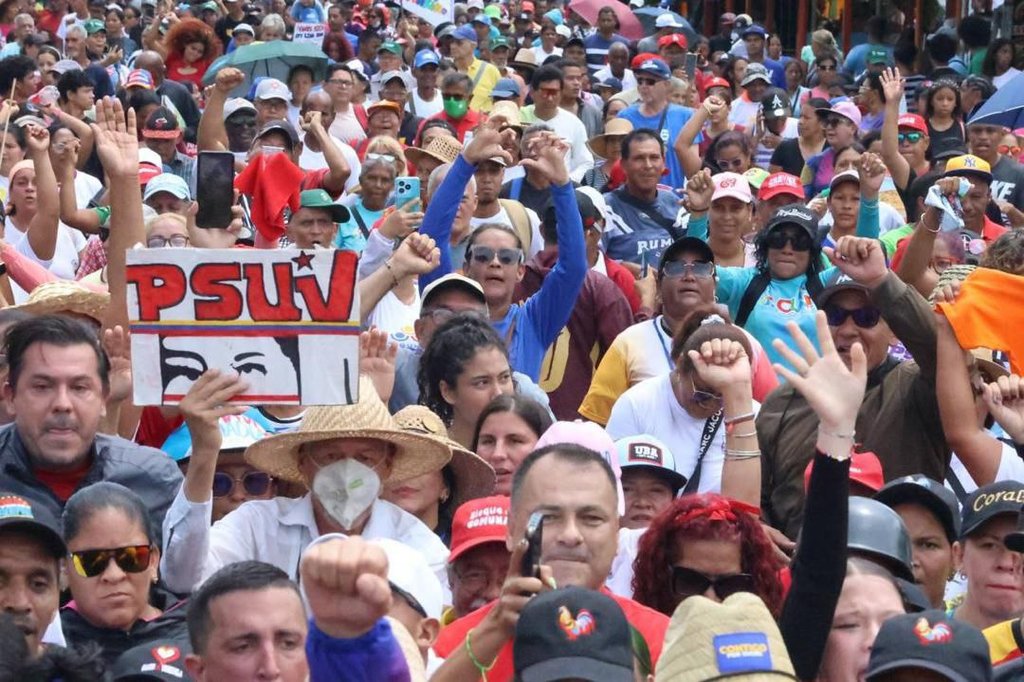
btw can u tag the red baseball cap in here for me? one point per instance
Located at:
(641, 58)
(781, 183)
(865, 469)
(527, 6)
(717, 82)
(673, 39)
(478, 522)
(147, 172)
(914, 122)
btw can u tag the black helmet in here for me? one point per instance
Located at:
(876, 532)
(932, 495)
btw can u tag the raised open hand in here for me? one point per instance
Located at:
(377, 355)
(892, 86)
(116, 140)
(832, 389)
(488, 142)
(205, 403)
(117, 344)
(546, 156)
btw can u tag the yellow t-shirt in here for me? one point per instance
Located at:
(484, 86)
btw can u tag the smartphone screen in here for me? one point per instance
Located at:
(215, 189)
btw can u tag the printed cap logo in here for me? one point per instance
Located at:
(14, 507)
(940, 633)
(574, 628)
(740, 652)
(645, 452)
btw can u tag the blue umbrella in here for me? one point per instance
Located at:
(275, 59)
(1006, 107)
(649, 15)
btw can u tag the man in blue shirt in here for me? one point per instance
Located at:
(655, 112)
(641, 215)
(598, 42)
(755, 38)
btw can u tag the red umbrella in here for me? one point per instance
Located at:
(629, 25)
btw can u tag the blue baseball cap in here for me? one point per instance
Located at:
(425, 58)
(611, 82)
(481, 19)
(505, 87)
(465, 32)
(655, 67)
(754, 29)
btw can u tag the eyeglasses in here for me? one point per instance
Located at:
(700, 270)
(732, 164)
(177, 241)
(912, 138)
(254, 482)
(438, 315)
(485, 254)
(777, 239)
(703, 397)
(833, 121)
(688, 582)
(826, 67)
(90, 563)
(646, 81)
(373, 156)
(1007, 150)
(865, 318)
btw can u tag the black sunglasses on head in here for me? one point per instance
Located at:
(865, 318)
(777, 239)
(687, 582)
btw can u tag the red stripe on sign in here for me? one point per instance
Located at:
(244, 399)
(236, 332)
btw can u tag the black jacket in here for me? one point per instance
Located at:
(147, 471)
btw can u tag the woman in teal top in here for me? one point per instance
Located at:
(790, 268)
(376, 183)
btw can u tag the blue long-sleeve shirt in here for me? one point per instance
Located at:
(374, 657)
(540, 318)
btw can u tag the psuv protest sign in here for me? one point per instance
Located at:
(286, 321)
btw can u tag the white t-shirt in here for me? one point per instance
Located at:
(310, 160)
(425, 108)
(570, 128)
(86, 187)
(346, 127)
(541, 55)
(397, 319)
(651, 408)
(1000, 81)
(744, 112)
(64, 263)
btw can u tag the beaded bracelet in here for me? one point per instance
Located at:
(391, 270)
(481, 668)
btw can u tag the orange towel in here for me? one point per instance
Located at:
(989, 313)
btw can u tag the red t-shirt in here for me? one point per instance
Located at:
(650, 623)
(462, 125)
(175, 63)
(63, 483)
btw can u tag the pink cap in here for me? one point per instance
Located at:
(591, 436)
(781, 183)
(731, 185)
(845, 109)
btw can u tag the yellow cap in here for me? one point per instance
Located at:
(968, 166)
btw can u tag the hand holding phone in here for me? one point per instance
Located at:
(530, 567)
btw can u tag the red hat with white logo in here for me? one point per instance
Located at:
(913, 122)
(731, 185)
(781, 183)
(647, 452)
(479, 522)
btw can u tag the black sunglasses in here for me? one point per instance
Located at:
(700, 270)
(485, 254)
(687, 582)
(865, 318)
(90, 563)
(254, 483)
(777, 239)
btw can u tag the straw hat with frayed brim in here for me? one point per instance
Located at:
(954, 273)
(509, 110)
(63, 296)
(614, 131)
(415, 454)
(716, 641)
(443, 148)
(474, 478)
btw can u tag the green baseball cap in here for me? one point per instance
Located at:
(318, 198)
(878, 55)
(499, 42)
(92, 26)
(209, 6)
(390, 46)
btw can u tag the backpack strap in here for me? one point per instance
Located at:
(750, 296)
(520, 221)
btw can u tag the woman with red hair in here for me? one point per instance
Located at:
(188, 48)
(713, 546)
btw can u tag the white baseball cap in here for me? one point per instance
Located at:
(667, 20)
(236, 104)
(646, 451)
(271, 88)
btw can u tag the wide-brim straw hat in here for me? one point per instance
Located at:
(415, 454)
(691, 652)
(510, 111)
(614, 131)
(954, 273)
(64, 296)
(474, 478)
(443, 148)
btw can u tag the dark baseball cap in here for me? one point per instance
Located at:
(683, 245)
(837, 283)
(155, 660)
(988, 502)
(932, 495)
(933, 641)
(283, 126)
(162, 124)
(21, 513)
(775, 104)
(589, 212)
(573, 632)
(794, 214)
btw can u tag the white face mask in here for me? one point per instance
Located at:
(346, 489)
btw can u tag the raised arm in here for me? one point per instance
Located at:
(914, 268)
(211, 135)
(82, 131)
(872, 175)
(42, 230)
(118, 148)
(417, 255)
(899, 167)
(685, 149)
(337, 167)
(84, 219)
(835, 392)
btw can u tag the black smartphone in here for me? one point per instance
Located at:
(691, 65)
(534, 539)
(215, 189)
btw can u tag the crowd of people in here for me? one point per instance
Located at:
(681, 356)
